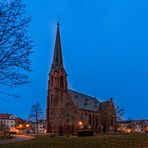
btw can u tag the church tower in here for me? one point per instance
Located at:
(57, 85)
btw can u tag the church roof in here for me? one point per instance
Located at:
(84, 101)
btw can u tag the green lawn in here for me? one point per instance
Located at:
(99, 141)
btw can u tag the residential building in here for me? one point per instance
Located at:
(41, 127)
(135, 126)
(7, 121)
(13, 124)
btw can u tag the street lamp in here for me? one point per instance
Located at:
(20, 126)
(81, 124)
(27, 125)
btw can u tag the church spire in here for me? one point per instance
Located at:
(57, 59)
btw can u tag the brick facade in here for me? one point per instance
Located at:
(68, 110)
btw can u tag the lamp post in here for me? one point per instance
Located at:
(20, 127)
(27, 127)
(80, 124)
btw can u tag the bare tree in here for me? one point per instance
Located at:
(36, 114)
(119, 113)
(15, 44)
(64, 116)
(69, 113)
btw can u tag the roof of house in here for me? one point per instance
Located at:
(19, 120)
(133, 121)
(5, 116)
(84, 101)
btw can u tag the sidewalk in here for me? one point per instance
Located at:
(16, 138)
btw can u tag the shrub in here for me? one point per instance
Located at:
(85, 133)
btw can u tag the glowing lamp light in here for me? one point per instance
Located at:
(80, 123)
(146, 129)
(20, 126)
(27, 125)
(129, 130)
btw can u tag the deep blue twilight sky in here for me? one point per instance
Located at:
(105, 51)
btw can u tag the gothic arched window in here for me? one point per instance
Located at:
(96, 120)
(61, 81)
(82, 116)
(51, 99)
(51, 80)
(89, 120)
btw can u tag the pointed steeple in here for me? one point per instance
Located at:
(57, 59)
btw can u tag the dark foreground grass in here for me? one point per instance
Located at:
(98, 141)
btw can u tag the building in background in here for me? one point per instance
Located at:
(11, 123)
(7, 122)
(133, 126)
(41, 127)
(69, 110)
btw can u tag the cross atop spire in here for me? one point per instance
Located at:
(57, 59)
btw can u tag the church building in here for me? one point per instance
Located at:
(69, 110)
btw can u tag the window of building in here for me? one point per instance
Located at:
(112, 122)
(76, 96)
(145, 124)
(96, 120)
(51, 80)
(51, 99)
(82, 116)
(86, 101)
(61, 81)
(89, 120)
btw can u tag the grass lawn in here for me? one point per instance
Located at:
(98, 141)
